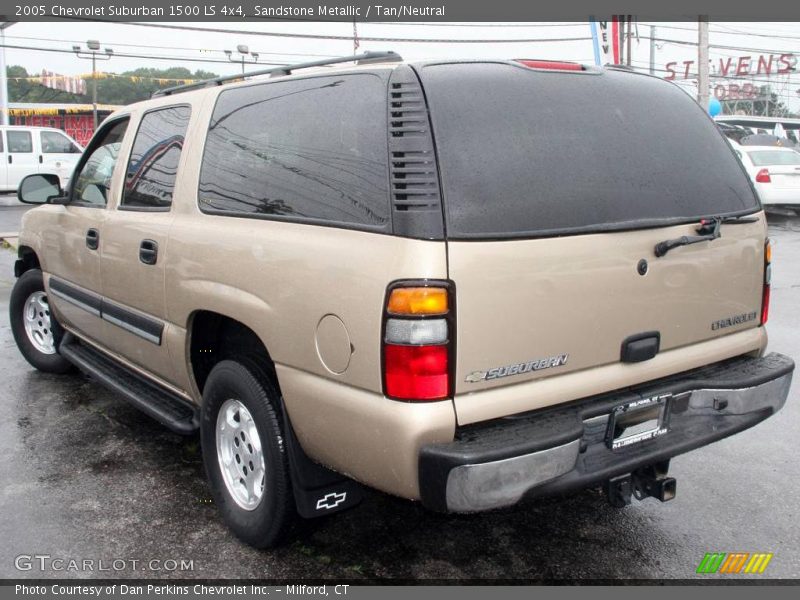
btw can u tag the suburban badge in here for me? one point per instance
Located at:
(517, 369)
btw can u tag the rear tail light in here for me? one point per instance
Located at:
(417, 341)
(767, 282)
(763, 176)
(553, 65)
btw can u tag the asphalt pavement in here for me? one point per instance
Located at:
(11, 211)
(87, 477)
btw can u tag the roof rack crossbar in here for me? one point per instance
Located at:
(365, 57)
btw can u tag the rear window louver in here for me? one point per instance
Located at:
(416, 198)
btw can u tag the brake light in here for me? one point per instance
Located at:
(417, 348)
(763, 176)
(767, 282)
(553, 65)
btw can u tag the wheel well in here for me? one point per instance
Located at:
(215, 337)
(27, 260)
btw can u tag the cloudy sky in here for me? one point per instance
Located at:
(157, 47)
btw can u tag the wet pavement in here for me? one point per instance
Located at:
(11, 211)
(85, 476)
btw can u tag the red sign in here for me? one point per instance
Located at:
(743, 66)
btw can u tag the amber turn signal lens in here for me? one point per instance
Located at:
(417, 301)
(768, 252)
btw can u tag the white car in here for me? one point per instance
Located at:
(28, 150)
(775, 172)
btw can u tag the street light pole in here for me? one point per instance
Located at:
(3, 78)
(243, 51)
(93, 48)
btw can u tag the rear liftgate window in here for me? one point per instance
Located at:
(525, 153)
(311, 150)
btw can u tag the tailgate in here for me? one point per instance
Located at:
(534, 309)
(556, 186)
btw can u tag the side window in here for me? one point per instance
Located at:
(2, 147)
(57, 143)
(93, 180)
(19, 141)
(310, 149)
(153, 166)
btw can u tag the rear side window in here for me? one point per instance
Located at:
(153, 166)
(311, 150)
(763, 158)
(524, 153)
(19, 141)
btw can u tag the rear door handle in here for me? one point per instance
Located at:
(92, 239)
(41, 160)
(148, 252)
(10, 159)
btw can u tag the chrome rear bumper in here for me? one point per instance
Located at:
(489, 467)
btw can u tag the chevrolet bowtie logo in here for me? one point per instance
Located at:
(331, 500)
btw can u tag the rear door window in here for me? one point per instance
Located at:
(526, 153)
(19, 141)
(153, 165)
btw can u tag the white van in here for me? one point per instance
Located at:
(28, 150)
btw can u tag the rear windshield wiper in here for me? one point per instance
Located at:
(707, 231)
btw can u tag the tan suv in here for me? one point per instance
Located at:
(460, 282)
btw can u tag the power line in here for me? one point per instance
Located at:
(153, 47)
(146, 56)
(349, 38)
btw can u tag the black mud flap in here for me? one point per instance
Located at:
(317, 490)
(19, 268)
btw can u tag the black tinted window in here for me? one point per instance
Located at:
(153, 165)
(525, 153)
(307, 149)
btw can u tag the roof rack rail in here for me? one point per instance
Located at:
(364, 58)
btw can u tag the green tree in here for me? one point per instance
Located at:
(124, 90)
(767, 103)
(110, 90)
(32, 91)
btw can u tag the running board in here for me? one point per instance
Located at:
(164, 406)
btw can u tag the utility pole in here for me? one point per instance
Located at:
(652, 50)
(94, 47)
(702, 61)
(3, 79)
(630, 34)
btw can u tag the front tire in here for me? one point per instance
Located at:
(244, 453)
(35, 328)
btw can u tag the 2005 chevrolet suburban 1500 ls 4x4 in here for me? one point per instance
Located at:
(460, 282)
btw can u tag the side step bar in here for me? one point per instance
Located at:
(164, 406)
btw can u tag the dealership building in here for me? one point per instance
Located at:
(74, 119)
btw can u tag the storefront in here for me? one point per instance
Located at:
(75, 119)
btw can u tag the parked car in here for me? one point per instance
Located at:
(775, 173)
(463, 283)
(28, 150)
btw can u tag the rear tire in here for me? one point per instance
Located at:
(35, 328)
(244, 453)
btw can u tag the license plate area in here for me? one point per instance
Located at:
(638, 421)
